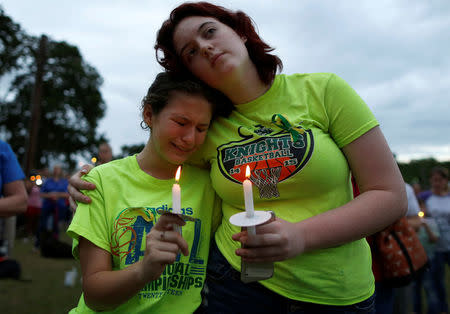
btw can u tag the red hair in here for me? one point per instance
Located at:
(266, 63)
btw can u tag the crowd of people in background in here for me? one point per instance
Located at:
(35, 207)
(429, 215)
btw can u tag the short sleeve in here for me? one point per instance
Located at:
(413, 204)
(349, 116)
(90, 220)
(10, 169)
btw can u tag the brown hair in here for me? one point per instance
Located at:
(162, 88)
(441, 171)
(266, 63)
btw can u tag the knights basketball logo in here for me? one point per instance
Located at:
(273, 156)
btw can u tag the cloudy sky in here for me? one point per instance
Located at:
(395, 53)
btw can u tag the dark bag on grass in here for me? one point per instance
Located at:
(401, 255)
(9, 268)
(52, 247)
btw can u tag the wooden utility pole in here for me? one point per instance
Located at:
(36, 100)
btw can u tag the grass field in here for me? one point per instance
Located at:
(43, 289)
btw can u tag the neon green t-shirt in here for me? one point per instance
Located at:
(124, 209)
(298, 171)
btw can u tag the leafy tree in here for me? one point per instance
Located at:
(11, 43)
(71, 104)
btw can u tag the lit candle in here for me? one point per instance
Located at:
(248, 198)
(176, 199)
(421, 214)
(176, 194)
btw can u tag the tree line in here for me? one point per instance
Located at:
(418, 171)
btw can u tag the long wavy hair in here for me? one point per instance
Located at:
(259, 52)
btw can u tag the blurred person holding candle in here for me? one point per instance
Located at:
(132, 258)
(33, 207)
(428, 233)
(438, 206)
(54, 214)
(54, 205)
(303, 135)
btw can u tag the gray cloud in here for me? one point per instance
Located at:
(394, 53)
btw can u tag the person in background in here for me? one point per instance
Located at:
(403, 295)
(33, 208)
(13, 201)
(104, 153)
(129, 252)
(438, 206)
(428, 233)
(417, 188)
(389, 299)
(54, 204)
(303, 135)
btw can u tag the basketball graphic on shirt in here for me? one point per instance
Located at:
(272, 157)
(124, 236)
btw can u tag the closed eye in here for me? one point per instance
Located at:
(201, 130)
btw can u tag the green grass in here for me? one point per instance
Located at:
(42, 290)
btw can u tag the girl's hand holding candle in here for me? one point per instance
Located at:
(250, 219)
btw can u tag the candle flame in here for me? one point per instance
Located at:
(177, 175)
(421, 214)
(247, 172)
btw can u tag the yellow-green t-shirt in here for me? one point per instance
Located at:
(298, 171)
(124, 209)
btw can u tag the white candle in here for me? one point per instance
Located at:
(176, 194)
(248, 198)
(176, 199)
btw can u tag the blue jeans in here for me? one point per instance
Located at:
(225, 293)
(426, 281)
(440, 259)
(384, 298)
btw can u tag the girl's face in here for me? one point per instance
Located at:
(211, 50)
(179, 129)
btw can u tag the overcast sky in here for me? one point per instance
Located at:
(396, 54)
